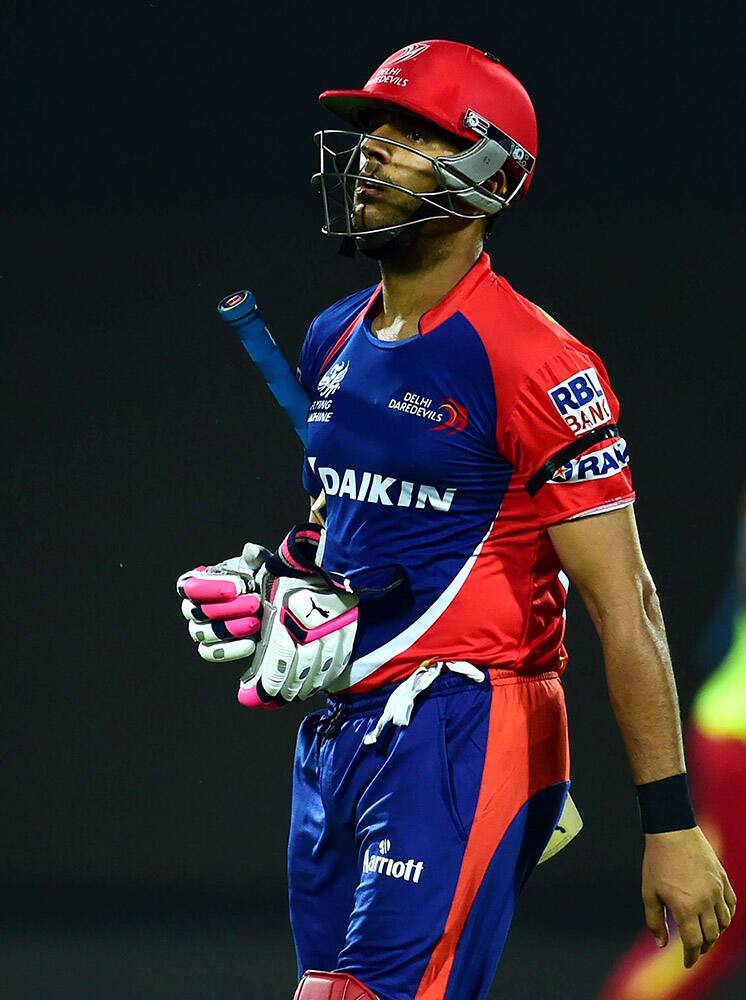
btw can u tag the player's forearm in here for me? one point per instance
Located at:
(641, 684)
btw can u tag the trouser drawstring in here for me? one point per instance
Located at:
(328, 726)
(398, 708)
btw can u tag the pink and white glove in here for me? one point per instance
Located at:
(223, 606)
(308, 631)
(307, 618)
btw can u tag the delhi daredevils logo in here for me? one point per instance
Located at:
(457, 417)
(408, 52)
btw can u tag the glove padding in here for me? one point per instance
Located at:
(223, 606)
(308, 630)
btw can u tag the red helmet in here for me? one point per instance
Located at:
(465, 91)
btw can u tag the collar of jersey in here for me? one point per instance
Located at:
(439, 313)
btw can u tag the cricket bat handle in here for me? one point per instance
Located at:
(239, 309)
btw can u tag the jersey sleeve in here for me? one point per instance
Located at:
(564, 441)
(306, 360)
(307, 375)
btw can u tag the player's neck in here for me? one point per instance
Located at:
(417, 281)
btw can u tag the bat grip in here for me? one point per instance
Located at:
(241, 312)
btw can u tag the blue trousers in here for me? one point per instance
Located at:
(406, 857)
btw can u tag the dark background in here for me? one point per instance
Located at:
(155, 157)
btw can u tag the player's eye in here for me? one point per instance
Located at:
(414, 134)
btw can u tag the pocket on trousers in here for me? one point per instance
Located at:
(306, 744)
(463, 737)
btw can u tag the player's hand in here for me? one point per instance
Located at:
(222, 605)
(681, 871)
(308, 629)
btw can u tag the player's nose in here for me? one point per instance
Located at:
(375, 148)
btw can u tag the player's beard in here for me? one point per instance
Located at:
(389, 245)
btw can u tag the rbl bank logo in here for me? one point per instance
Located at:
(581, 401)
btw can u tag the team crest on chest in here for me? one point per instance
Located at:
(444, 415)
(330, 381)
(456, 416)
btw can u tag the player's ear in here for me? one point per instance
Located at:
(497, 184)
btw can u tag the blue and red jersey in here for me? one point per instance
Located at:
(450, 453)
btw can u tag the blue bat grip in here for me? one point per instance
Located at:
(240, 310)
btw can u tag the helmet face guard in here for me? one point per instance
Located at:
(459, 177)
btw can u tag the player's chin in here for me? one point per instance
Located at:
(368, 216)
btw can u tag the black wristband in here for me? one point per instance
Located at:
(666, 805)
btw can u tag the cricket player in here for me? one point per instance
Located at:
(464, 454)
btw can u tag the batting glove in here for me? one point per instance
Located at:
(308, 631)
(309, 620)
(223, 606)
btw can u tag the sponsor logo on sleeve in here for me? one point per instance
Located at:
(599, 464)
(581, 401)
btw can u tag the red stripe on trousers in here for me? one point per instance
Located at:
(527, 751)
